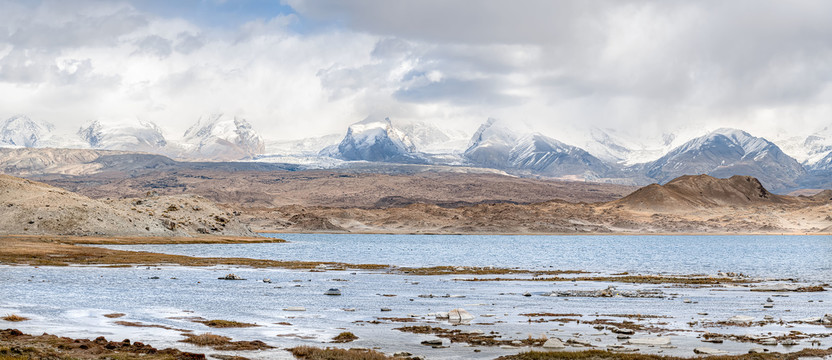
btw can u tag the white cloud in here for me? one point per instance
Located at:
(641, 66)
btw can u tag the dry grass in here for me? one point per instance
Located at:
(143, 325)
(113, 315)
(313, 353)
(15, 345)
(633, 279)
(207, 339)
(62, 251)
(14, 318)
(224, 343)
(457, 336)
(344, 337)
(225, 324)
(470, 270)
(602, 355)
(58, 251)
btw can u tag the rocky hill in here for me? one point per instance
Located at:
(727, 152)
(34, 208)
(698, 191)
(690, 204)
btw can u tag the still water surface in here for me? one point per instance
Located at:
(805, 257)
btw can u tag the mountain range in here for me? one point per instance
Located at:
(216, 137)
(602, 156)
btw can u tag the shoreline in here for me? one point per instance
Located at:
(16, 344)
(23, 251)
(310, 232)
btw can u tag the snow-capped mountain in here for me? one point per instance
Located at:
(543, 155)
(496, 146)
(221, 137)
(375, 140)
(617, 147)
(812, 151)
(144, 137)
(728, 152)
(304, 147)
(21, 131)
(491, 145)
(432, 139)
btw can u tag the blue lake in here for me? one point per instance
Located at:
(808, 258)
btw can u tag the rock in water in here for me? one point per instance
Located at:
(333, 292)
(649, 341)
(231, 277)
(708, 351)
(739, 319)
(553, 343)
(459, 316)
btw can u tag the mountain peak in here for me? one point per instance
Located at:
(375, 140)
(220, 137)
(20, 130)
(725, 152)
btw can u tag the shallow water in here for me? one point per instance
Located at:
(808, 258)
(71, 301)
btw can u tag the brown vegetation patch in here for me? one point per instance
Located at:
(344, 337)
(143, 325)
(313, 353)
(469, 270)
(560, 320)
(114, 315)
(458, 336)
(601, 355)
(17, 345)
(550, 315)
(228, 357)
(225, 324)
(633, 279)
(638, 316)
(14, 318)
(621, 325)
(792, 335)
(51, 251)
(223, 343)
(816, 288)
(398, 319)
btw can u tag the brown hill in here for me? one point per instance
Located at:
(29, 207)
(701, 191)
(825, 195)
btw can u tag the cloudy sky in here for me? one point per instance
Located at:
(302, 68)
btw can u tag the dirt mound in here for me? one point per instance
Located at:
(701, 191)
(29, 207)
(825, 196)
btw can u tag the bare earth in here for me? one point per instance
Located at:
(418, 200)
(344, 189)
(690, 204)
(30, 207)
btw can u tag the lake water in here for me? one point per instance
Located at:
(71, 301)
(805, 257)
